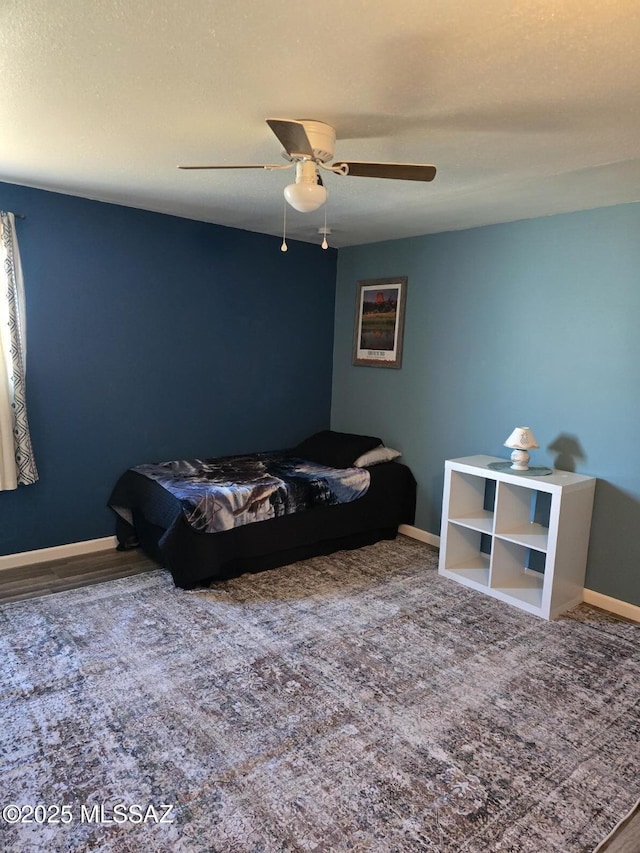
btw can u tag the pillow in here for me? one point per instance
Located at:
(335, 449)
(377, 455)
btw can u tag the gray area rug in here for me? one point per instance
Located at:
(357, 702)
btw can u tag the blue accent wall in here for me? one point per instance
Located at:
(533, 322)
(152, 337)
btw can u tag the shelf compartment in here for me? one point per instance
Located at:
(531, 535)
(522, 516)
(467, 554)
(472, 501)
(511, 575)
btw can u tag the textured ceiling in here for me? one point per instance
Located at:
(526, 108)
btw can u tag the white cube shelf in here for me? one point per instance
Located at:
(518, 538)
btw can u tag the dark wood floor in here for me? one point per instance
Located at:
(57, 575)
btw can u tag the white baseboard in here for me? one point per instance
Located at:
(613, 605)
(58, 552)
(597, 599)
(418, 533)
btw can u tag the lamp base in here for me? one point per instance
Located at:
(520, 460)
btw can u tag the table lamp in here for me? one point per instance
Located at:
(521, 440)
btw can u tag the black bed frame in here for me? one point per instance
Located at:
(196, 558)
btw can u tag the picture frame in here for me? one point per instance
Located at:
(379, 322)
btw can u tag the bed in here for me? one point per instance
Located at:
(172, 528)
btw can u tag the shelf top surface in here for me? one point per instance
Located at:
(556, 478)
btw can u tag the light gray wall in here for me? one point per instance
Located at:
(533, 322)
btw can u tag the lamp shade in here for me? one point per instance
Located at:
(305, 197)
(522, 439)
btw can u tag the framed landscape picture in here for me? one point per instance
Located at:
(379, 324)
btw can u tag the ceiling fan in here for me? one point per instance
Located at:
(309, 146)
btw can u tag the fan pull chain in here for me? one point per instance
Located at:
(325, 245)
(284, 247)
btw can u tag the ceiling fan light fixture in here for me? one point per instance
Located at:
(307, 194)
(305, 197)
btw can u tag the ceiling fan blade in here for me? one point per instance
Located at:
(242, 166)
(292, 136)
(395, 171)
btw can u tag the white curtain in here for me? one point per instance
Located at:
(17, 466)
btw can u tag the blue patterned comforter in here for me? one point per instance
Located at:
(223, 493)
